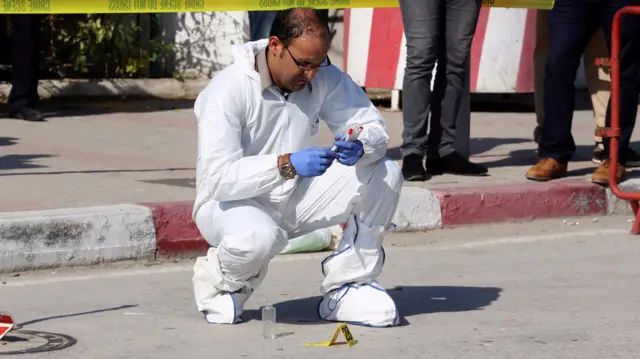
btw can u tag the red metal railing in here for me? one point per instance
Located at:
(613, 132)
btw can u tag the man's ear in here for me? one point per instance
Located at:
(275, 46)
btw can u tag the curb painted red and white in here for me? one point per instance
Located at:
(91, 235)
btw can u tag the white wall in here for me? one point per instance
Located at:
(203, 40)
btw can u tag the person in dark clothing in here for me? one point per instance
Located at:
(25, 53)
(260, 24)
(442, 31)
(571, 24)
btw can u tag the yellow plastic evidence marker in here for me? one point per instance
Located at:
(345, 332)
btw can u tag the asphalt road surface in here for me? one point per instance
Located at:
(546, 289)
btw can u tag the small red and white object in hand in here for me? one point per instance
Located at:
(6, 324)
(352, 134)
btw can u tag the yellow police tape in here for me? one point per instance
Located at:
(152, 6)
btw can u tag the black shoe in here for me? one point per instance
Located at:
(455, 164)
(27, 114)
(413, 169)
(597, 153)
(630, 158)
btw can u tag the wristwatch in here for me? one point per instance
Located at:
(285, 167)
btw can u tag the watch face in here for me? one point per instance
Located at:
(287, 172)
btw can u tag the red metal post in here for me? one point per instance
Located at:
(614, 131)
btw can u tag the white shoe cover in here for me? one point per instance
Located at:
(219, 301)
(226, 308)
(359, 304)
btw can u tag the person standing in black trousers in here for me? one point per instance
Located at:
(25, 56)
(571, 25)
(442, 31)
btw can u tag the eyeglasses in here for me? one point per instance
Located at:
(307, 67)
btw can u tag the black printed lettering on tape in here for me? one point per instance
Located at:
(119, 5)
(344, 3)
(269, 3)
(170, 4)
(194, 4)
(143, 5)
(314, 3)
(15, 5)
(39, 5)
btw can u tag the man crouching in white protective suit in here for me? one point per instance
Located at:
(261, 181)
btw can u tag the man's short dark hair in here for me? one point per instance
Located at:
(292, 23)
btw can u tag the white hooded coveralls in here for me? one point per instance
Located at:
(247, 211)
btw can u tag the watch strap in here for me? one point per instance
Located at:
(284, 160)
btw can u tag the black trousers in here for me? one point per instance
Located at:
(571, 25)
(25, 55)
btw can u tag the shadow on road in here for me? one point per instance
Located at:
(8, 141)
(519, 158)
(476, 145)
(411, 301)
(12, 162)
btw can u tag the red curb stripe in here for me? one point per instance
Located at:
(176, 233)
(473, 205)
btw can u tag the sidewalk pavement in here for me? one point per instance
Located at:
(107, 180)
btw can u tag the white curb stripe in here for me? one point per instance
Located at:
(418, 210)
(79, 236)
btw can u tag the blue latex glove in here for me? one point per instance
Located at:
(312, 162)
(348, 152)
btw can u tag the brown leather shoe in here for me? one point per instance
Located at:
(547, 169)
(601, 174)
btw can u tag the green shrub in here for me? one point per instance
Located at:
(99, 45)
